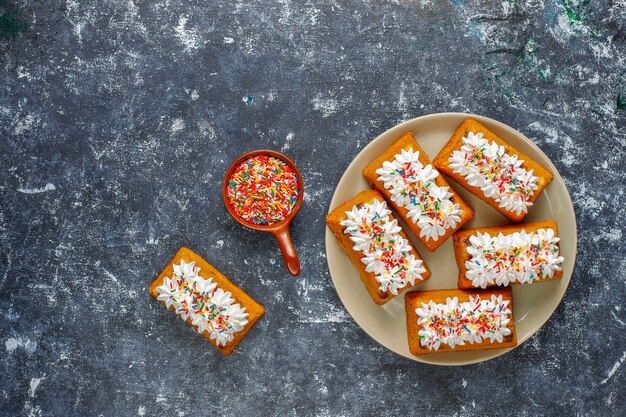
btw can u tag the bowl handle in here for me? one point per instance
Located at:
(288, 250)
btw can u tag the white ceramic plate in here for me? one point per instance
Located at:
(532, 304)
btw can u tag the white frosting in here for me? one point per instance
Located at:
(386, 253)
(499, 175)
(412, 186)
(210, 308)
(518, 257)
(455, 323)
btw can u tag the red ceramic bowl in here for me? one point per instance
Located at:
(280, 229)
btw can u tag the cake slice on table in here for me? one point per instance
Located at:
(208, 301)
(493, 170)
(377, 246)
(457, 320)
(421, 197)
(516, 254)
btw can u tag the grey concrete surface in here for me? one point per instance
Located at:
(118, 119)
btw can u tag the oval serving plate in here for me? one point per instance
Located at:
(532, 304)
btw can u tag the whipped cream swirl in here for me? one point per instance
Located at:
(210, 308)
(386, 253)
(455, 323)
(412, 186)
(518, 257)
(499, 175)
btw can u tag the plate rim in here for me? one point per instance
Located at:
(557, 176)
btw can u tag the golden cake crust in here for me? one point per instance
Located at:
(414, 300)
(461, 242)
(406, 142)
(334, 219)
(253, 308)
(470, 125)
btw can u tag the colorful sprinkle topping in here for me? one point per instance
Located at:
(386, 253)
(455, 323)
(211, 309)
(263, 190)
(518, 257)
(412, 186)
(499, 175)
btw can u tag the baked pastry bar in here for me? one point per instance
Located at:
(493, 170)
(377, 246)
(422, 198)
(516, 254)
(457, 320)
(202, 296)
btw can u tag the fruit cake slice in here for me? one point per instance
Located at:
(404, 175)
(208, 301)
(377, 246)
(457, 320)
(503, 255)
(492, 169)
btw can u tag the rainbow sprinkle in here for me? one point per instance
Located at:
(263, 190)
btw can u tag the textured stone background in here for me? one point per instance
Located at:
(118, 119)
